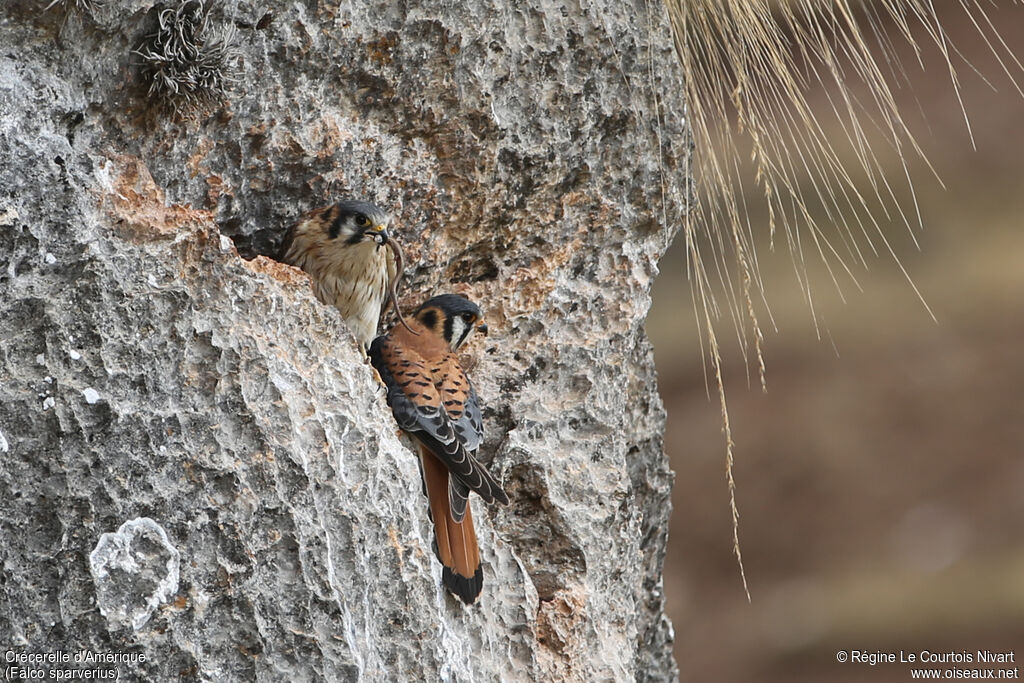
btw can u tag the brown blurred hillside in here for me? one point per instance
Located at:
(881, 478)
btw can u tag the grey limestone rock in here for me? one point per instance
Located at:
(154, 365)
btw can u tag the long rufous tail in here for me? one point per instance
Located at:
(455, 542)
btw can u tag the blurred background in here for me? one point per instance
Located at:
(881, 477)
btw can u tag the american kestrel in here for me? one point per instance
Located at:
(434, 402)
(340, 247)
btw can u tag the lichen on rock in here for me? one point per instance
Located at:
(135, 570)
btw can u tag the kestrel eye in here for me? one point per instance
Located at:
(468, 317)
(362, 221)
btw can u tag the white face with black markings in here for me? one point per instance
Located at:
(453, 317)
(461, 328)
(353, 222)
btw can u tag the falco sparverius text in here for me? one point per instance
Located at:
(340, 247)
(434, 402)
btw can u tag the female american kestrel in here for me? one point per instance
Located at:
(340, 246)
(434, 402)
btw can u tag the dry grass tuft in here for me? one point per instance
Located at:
(748, 65)
(186, 64)
(87, 6)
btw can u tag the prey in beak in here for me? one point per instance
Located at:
(379, 234)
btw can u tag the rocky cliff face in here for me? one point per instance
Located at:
(200, 474)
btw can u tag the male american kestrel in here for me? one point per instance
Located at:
(340, 247)
(434, 402)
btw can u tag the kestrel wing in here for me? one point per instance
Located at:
(463, 407)
(458, 498)
(418, 408)
(460, 402)
(289, 235)
(286, 244)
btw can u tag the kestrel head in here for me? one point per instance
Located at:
(353, 221)
(452, 317)
(340, 247)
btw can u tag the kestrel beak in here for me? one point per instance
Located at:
(482, 328)
(379, 234)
